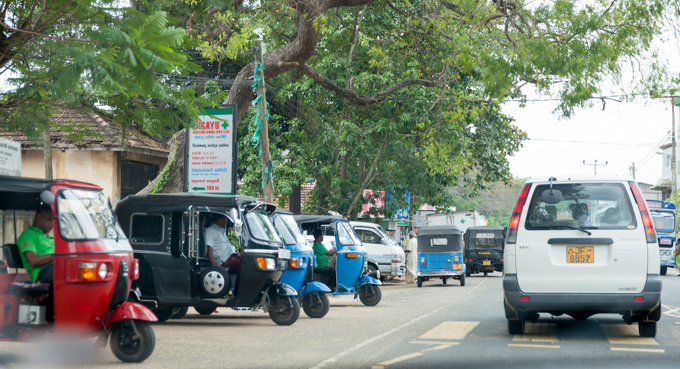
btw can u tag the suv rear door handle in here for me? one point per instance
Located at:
(580, 241)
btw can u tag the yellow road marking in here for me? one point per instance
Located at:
(400, 358)
(377, 367)
(538, 332)
(436, 343)
(439, 347)
(450, 330)
(657, 351)
(623, 334)
(529, 345)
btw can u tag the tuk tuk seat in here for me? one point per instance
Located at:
(12, 257)
(323, 269)
(28, 288)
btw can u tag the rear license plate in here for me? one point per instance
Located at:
(580, 254)
(486, 262)
(284, 254)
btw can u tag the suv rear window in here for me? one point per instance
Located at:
(583, 205)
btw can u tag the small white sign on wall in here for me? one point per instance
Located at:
(10, 158)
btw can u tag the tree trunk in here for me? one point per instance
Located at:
(171, 178)
(295, 205)
(47, 137)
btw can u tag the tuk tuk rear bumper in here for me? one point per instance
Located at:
(576, 302)
(445, 273)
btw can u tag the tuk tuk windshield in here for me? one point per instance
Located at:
(261, 226)
(86, 215)
(346, 234)
(663, 222)
(289, 230)
(482, 241)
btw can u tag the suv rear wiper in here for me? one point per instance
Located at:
(582, 229)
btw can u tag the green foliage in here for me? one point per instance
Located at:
(99, 56)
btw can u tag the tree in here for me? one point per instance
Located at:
(426, 76)
(93, 55)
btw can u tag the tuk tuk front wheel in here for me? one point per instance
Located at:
(316, 304)
(420, 281)
(370, 295)
(179, 312)
(164, 313)
(130, 347)
(205, 310)
(287, 315)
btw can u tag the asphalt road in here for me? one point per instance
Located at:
(446, 326)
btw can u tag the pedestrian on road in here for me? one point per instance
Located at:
(411, 250)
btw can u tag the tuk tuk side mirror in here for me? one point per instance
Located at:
(237, 228)
(47, 197)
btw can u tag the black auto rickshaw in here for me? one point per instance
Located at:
(167, 233)
(484, 249)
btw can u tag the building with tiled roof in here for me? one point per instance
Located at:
(92, 147)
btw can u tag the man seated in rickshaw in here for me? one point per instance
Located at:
(324, 258)
(219, 246)
(36, 247)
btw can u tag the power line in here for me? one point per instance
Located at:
(595, 142)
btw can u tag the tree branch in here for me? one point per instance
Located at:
(351, 95)
(370, 174)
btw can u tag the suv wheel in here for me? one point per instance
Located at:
(516, 326)
(647, 329)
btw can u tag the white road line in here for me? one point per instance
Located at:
(529, 345)
(371, 340)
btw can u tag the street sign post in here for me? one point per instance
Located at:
(210, 152)
(10, 158)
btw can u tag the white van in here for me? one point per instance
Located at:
(383, 252)
(581, 246)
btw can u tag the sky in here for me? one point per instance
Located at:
(620, 135)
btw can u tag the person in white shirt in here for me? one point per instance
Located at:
(411, 250)
(219, 246)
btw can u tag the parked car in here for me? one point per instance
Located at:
(561, 258)
(383, 252)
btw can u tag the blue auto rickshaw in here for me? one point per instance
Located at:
(440, 254)
(300, 271)
(350, 276)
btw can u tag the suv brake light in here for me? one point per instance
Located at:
(642, 205)
(514, 221)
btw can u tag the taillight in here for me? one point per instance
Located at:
(642, 205)
(422, 261)
(471, 260)
(135, 270)
(638, 299)
(293, 262)
(524, 298)
(87, 271)
(516, 213)
(455, 259)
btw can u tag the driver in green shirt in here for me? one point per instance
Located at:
(324, 258)
(37, 247)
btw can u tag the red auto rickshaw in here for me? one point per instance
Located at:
(93, 271)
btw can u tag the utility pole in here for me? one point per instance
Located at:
(674, 163)
(595, 165)
(632, 170)
(267, 181)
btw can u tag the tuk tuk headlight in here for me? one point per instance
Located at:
(266, 263)
(103, 270)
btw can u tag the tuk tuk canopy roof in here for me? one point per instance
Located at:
(323, 219)
(440, 239)
(178, 202)
(20, 193)
(473, 241)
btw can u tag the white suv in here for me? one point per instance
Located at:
(581, 246)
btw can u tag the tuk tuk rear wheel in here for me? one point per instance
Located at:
(371, 298)
(129, 349)
(316, 304)
(462, 280)
(289, 315)
(420, 281)
(205, 310)
(444, 279)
